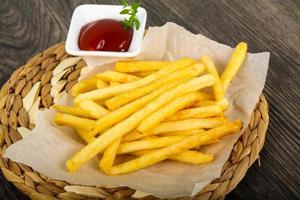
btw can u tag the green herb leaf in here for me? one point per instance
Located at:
(137, 24)
(135, 5)
(125, 11)
(131, 10)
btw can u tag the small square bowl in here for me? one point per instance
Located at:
(84, 14)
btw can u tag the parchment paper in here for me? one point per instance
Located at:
(48, 147)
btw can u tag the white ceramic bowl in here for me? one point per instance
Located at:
(84, 14)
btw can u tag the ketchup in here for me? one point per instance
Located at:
(105, 35)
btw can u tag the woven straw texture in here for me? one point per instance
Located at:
(34, 84)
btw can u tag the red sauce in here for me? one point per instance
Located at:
(105, 35)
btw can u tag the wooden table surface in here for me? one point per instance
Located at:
(29, 26)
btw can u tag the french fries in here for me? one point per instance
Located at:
(189, 156)
(119, 130)
(73, 121)
(84, 86)
(129, 96)
(110, 91)
(163, 153)
(140, 66)
(149, 144)
(188, 124)
(197, 112)
(211, 68)
(109, 155)
(72, 111)
(238, 57)
(83, 134)
(223, 103)
(154, 110)
(155, 118)
(116, 77)
(123, 112)
(101, 84)
(93, 109)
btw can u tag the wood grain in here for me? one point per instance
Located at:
(29, 26)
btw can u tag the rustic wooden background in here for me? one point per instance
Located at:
(29, 26)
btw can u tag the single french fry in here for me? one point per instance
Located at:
(153, 143)
(84, 86)
(143, 74)
(109, 156)
(235, 62)
(208, 143)
(101, 84)
(187, 124)
(123, 112)
(140, 66)
(72, 111)
(73, 121)
(177, 104)
(127, 125)
(83, 134)
(116, 77)
(189, 156)
(182, 127)
(223, 103)
(93, 109)
(197, 112)
(164, 153)
(131, 95)
(186, 133)
(193, 157)
(114, 83)
(114, 90)
(135, 135)
(211, 68)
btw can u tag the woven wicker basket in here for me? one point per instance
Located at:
(39, 69)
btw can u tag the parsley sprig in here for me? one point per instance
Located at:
(131, 10)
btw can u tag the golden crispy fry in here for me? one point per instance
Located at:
(109, 156)
(101, 84)
(133, 135)
(164, 153)
(114, 83)
(223, 103)
(188, 156)
(204, 96)
(123, 112)
(114, 90)
(187, 124)
(187, 133)
(93, 109)
(158, 116)
(197, 112)
(116, 77)
(72, 121)
(140, 66)
(193, 157)
(83, 134)
(237, 58)
(131, 95)
(72, 111)
(211, 68)
(149, 144)
(142, 74)
(119, 130)
(84, 86)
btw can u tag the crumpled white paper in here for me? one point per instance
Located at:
(48, 147)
